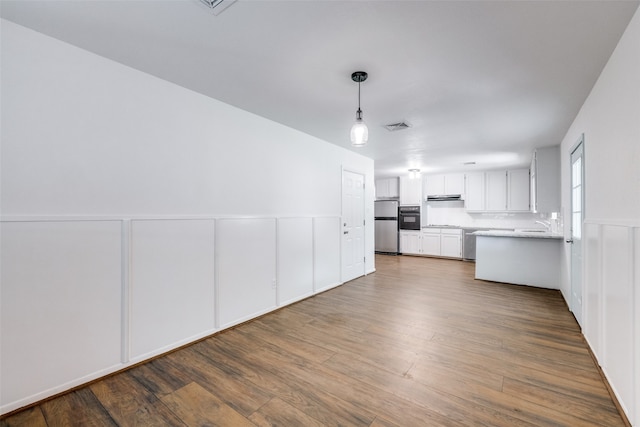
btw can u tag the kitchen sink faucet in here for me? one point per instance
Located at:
(547, 224)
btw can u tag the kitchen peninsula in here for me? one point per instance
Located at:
(521, 257)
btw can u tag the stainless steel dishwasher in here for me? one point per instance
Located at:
(469, 243)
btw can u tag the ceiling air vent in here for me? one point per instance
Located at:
(397, 126)
(217, 6)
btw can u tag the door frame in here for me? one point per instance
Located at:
(366, 225)
(578, 144)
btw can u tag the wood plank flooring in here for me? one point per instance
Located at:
(420, 342)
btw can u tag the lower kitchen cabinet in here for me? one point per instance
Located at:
(431, 241)
(410, 242)
(444, 242)
(451, 243)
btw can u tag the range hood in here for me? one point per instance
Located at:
(444, 198)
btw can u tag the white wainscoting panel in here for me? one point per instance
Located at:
(60, 308)
(592, 288)
(635, 410)
(326, 253)
(246, 268)
(612, 307)
(618, 310)
(295, 259)
(172, 284)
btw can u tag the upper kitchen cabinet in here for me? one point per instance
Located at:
(518, 190)
(437, 185)
(410, 191)
(545, 180)
(474, 192)
(497, 191)
(387, 188)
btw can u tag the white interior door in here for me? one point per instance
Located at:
(577, 216)
(352, 225)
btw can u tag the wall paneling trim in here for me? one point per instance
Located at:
(85, 298)
(612, 306)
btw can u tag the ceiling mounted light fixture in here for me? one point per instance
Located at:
(414, 173)
(359, 130)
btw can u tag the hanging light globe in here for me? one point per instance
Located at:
(359, 130)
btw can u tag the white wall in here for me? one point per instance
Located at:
(610, 122)
(454, 213)
(83, 135)
(155, 189)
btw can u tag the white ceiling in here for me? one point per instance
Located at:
(483, 81)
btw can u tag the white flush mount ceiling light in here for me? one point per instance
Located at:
(414, 173)
(359, 130)
(217, 6)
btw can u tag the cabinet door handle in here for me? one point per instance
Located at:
(346, 232)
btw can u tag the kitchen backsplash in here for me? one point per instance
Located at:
(454, 213)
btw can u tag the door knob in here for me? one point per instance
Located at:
(569, 241)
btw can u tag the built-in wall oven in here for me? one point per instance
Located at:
(409, 218)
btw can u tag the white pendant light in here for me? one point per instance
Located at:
(359, 130)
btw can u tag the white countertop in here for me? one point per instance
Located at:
(520, 233)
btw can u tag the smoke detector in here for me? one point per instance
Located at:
(392, 127)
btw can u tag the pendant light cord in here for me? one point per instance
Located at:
(359, 112)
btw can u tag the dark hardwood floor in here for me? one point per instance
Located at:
(418, 343)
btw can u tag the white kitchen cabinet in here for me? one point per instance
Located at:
(431, 241)
(454, 183)
(496, 191)
(410, 191)
(451, 243)
(474, 200)
(410, 242)
(545, 180)
(437, 185)
(433, 185)
(387, 188)
(518, 190)
(445, 242)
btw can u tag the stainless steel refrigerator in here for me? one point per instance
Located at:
(386, 216)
